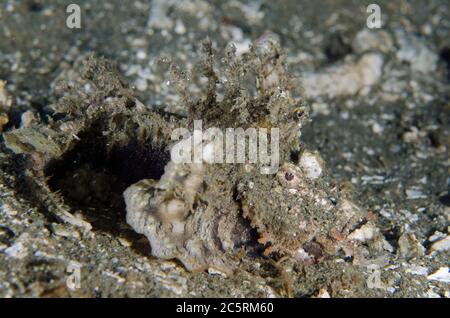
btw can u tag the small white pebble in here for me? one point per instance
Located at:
(441, 245)
(363, 234)
(311, 164)
(18, 250)
(141, 55)
(442, 275)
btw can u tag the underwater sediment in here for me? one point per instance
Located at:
(358, 204)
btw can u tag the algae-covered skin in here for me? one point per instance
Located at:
(204, 213)
(196, 209)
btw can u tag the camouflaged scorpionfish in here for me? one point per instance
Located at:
(107, 147)
(204, 214)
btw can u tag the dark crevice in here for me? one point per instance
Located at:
(34, 6)
(445, 199)
(445, 56)
(92, 176)
(337, 47)
(249, 241)
(253, 248)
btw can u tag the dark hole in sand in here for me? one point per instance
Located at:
(337, 47)
(93, 176)
(445, 56)
(445, 199)
(34, 6)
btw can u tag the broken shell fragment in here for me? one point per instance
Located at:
(311, 164)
